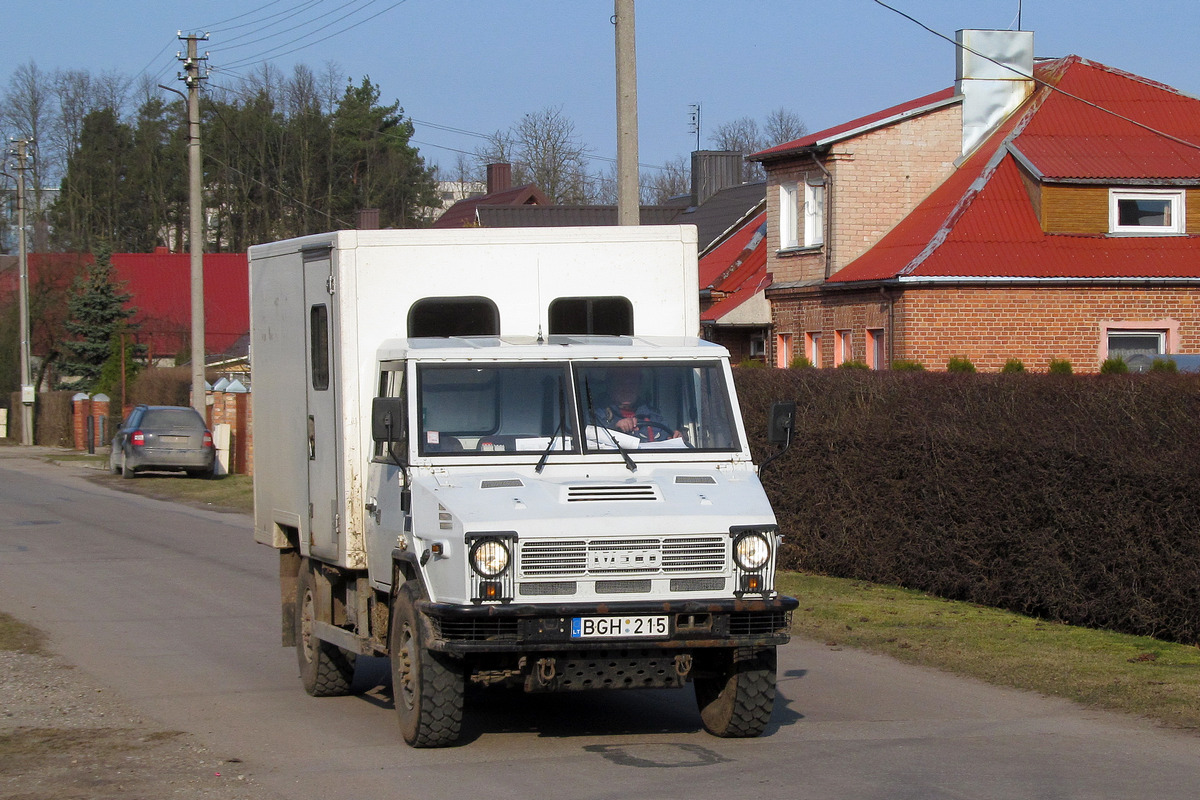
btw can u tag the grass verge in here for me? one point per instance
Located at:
(21, 638)
(1133, 674)
(225, 493)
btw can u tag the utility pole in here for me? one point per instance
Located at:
(192, 77)
(27, 388)
(628, 193)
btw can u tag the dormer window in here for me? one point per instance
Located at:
(801, 214)
(1145, 211)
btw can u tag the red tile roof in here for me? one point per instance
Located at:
(1106, 125)
(915, 107)
(980, 223)
(161, 287)
(736, 269)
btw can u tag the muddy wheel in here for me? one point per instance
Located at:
(428, 686)
(325, 669)
(735, 690)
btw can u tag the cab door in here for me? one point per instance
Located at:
(324, 460)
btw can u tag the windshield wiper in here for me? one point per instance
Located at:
(587, 389)
(562, 420)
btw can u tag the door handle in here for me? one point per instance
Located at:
(312, 438)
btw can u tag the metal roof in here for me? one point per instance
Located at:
(1104, 125)
(980, 224)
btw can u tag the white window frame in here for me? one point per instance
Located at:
(843, 347)
(789, 215)
(876, 358)
(1177, 211)
(814, 214)
(783, 350)
(812, 347)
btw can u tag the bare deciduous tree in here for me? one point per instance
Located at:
(783, 126)
(544, 149)
(744, 136)
(673, 180)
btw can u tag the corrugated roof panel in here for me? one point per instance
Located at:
(981, 223)
(1108, 124)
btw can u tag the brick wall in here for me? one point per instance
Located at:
(991, 325)
(877, 179)
(233, 409)
(81, 410)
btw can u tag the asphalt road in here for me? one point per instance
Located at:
(176, 609)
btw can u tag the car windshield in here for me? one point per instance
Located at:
(504, 408)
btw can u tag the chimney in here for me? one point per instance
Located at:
(368, 219)
(499, 178)
(714, 170)
(994, 75)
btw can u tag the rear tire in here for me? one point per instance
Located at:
(326, 670)
(428, 687)
(735, 690)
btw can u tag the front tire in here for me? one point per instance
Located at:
(428, 687)
(325, 669)
(735, 691)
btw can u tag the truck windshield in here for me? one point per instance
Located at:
(496, 408)
(505, 408)
(655, 406)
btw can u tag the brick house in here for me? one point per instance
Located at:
(1031, 212)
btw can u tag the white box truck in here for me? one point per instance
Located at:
(505, 456)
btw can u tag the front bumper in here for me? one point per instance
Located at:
(526, 628)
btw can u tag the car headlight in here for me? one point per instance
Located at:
(751, 551)
(490, 557)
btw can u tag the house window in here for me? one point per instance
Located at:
(876, 357)
(783, 350)
(758, 347)
(843, 347)
(1147, 211)
(814, 214)
(812, 347)
(789, 215)
(1132, 343)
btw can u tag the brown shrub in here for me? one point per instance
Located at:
(1071, 498)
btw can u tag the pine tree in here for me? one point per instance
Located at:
(96, 315)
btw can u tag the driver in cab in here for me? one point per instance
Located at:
(628, 413)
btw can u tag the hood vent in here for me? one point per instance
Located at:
(705, 479)
(582, 494)
(501, 483)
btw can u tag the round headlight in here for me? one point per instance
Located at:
(751, 551)
(489, 557)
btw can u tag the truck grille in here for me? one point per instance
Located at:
(654, 556)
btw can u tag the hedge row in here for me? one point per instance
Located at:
(1073, 498)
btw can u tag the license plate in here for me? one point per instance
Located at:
(618, 627)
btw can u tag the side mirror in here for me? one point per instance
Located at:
(387, 419)
(781, 423)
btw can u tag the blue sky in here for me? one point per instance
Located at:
(475, 66)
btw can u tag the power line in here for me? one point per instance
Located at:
(274, 50)
(1042, 83)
